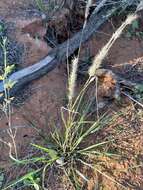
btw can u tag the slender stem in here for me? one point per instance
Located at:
(7, 106)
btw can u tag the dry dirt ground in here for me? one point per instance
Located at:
(39, 103)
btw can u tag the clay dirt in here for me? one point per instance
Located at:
(36, 108)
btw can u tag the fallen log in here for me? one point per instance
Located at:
(59, 54)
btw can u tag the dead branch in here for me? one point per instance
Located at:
(59, 54)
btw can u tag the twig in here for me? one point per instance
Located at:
(99, 6)
(134, 100)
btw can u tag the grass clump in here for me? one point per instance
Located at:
(68, 149)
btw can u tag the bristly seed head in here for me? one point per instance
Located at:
(104, 51)
(72, 79)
